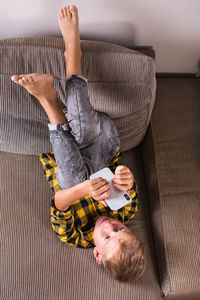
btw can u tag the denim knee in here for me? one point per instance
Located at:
(83, 119)
(89, 133)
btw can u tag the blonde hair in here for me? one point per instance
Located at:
(128, 262)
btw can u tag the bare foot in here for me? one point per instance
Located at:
(40, 86)
(69, 25)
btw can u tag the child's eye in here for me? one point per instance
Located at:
(120, 229)
(106, 238)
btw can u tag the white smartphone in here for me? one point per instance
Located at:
(117, 198)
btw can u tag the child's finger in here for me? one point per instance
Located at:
(102, 189)
(121, 187)
(103, 196)
(121, 169)
(96, 180)
(121, 181)
(122, 176)
(98, 184)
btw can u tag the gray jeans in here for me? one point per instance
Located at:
(87, 142)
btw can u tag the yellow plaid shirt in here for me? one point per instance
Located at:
(75, 226)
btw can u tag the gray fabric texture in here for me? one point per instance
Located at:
(121, 84)
(34, 263)
(171, 155)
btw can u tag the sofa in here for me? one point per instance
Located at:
(157, 116)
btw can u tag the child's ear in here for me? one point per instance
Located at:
(98, 256)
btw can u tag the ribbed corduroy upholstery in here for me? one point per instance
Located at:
(121, 84)
(34, 263)
(171, 154)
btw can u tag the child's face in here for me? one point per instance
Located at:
(107, 234)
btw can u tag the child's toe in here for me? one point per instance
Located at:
(74, 9)
(61, 14)
(25, 79)
(21, 82)
(65, 11)
(15, 78)
(69, 12)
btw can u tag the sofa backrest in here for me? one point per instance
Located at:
(121, 83)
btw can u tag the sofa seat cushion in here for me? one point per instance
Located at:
(121, 84)
(36, 265)
(171, 161)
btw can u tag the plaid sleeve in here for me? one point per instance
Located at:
(128, 212)
(63, 225)
(114, 163)
(50, 167)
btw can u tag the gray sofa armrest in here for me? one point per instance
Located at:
(171, 164)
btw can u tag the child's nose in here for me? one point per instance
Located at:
(108, 227)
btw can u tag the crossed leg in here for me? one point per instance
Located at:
(82, 125)
(41, 86)
(71, 166)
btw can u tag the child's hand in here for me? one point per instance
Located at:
(99, 189)
(123, 179)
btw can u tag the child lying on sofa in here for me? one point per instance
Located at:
(85, 141)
